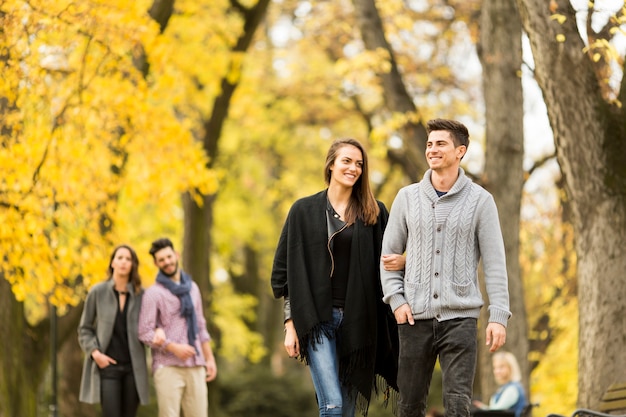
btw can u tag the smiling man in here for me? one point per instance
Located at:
(445, 224)
(184, 363)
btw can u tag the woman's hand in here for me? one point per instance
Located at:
(101, 359)
(393, 262)
(292, 344)
(159, 337)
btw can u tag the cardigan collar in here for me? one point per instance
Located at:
(458, 185)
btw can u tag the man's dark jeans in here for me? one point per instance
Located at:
(455, 343)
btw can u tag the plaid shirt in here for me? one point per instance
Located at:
(161, 308)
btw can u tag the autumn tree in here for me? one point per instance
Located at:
(69, 353)
(581, 77)
(199, 217)
(73, 115)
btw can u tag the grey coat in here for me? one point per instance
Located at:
(95, 331)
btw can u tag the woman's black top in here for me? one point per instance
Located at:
(118, 348)
(341, 247)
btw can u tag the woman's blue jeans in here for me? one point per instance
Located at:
(333, 399)
(454, 342)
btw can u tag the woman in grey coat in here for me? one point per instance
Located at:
(115, 373)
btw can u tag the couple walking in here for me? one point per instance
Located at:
(373, 298)
(120, 319)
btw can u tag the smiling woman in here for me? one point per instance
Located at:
(345, 170)
(334, 318)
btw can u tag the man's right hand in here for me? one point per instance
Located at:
(181, 350)
(404, 315)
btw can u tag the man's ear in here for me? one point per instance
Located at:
(462, 150)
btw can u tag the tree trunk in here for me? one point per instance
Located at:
(23, 350)
(500, 52)
(199, 220)
(23, 357)
(197, 243)
(590, 136)
(397, 99)
(71, 365)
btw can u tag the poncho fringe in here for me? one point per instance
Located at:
(348, 365)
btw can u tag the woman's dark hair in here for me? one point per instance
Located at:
(134, 278)
(362, 203)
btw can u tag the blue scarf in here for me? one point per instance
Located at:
(183, 292)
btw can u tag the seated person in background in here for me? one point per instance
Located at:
(510, 394)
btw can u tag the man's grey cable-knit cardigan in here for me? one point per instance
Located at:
(444, 239)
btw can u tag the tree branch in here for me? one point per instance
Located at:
(538, 164)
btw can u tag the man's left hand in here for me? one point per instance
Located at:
(495, 336)
(211, 370)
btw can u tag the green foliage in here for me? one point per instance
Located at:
(232, 314)
(255, 391)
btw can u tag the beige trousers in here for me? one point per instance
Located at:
(178, 387)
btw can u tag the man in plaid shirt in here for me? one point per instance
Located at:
(184, 363)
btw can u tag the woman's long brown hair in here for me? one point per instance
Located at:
(362, 204)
